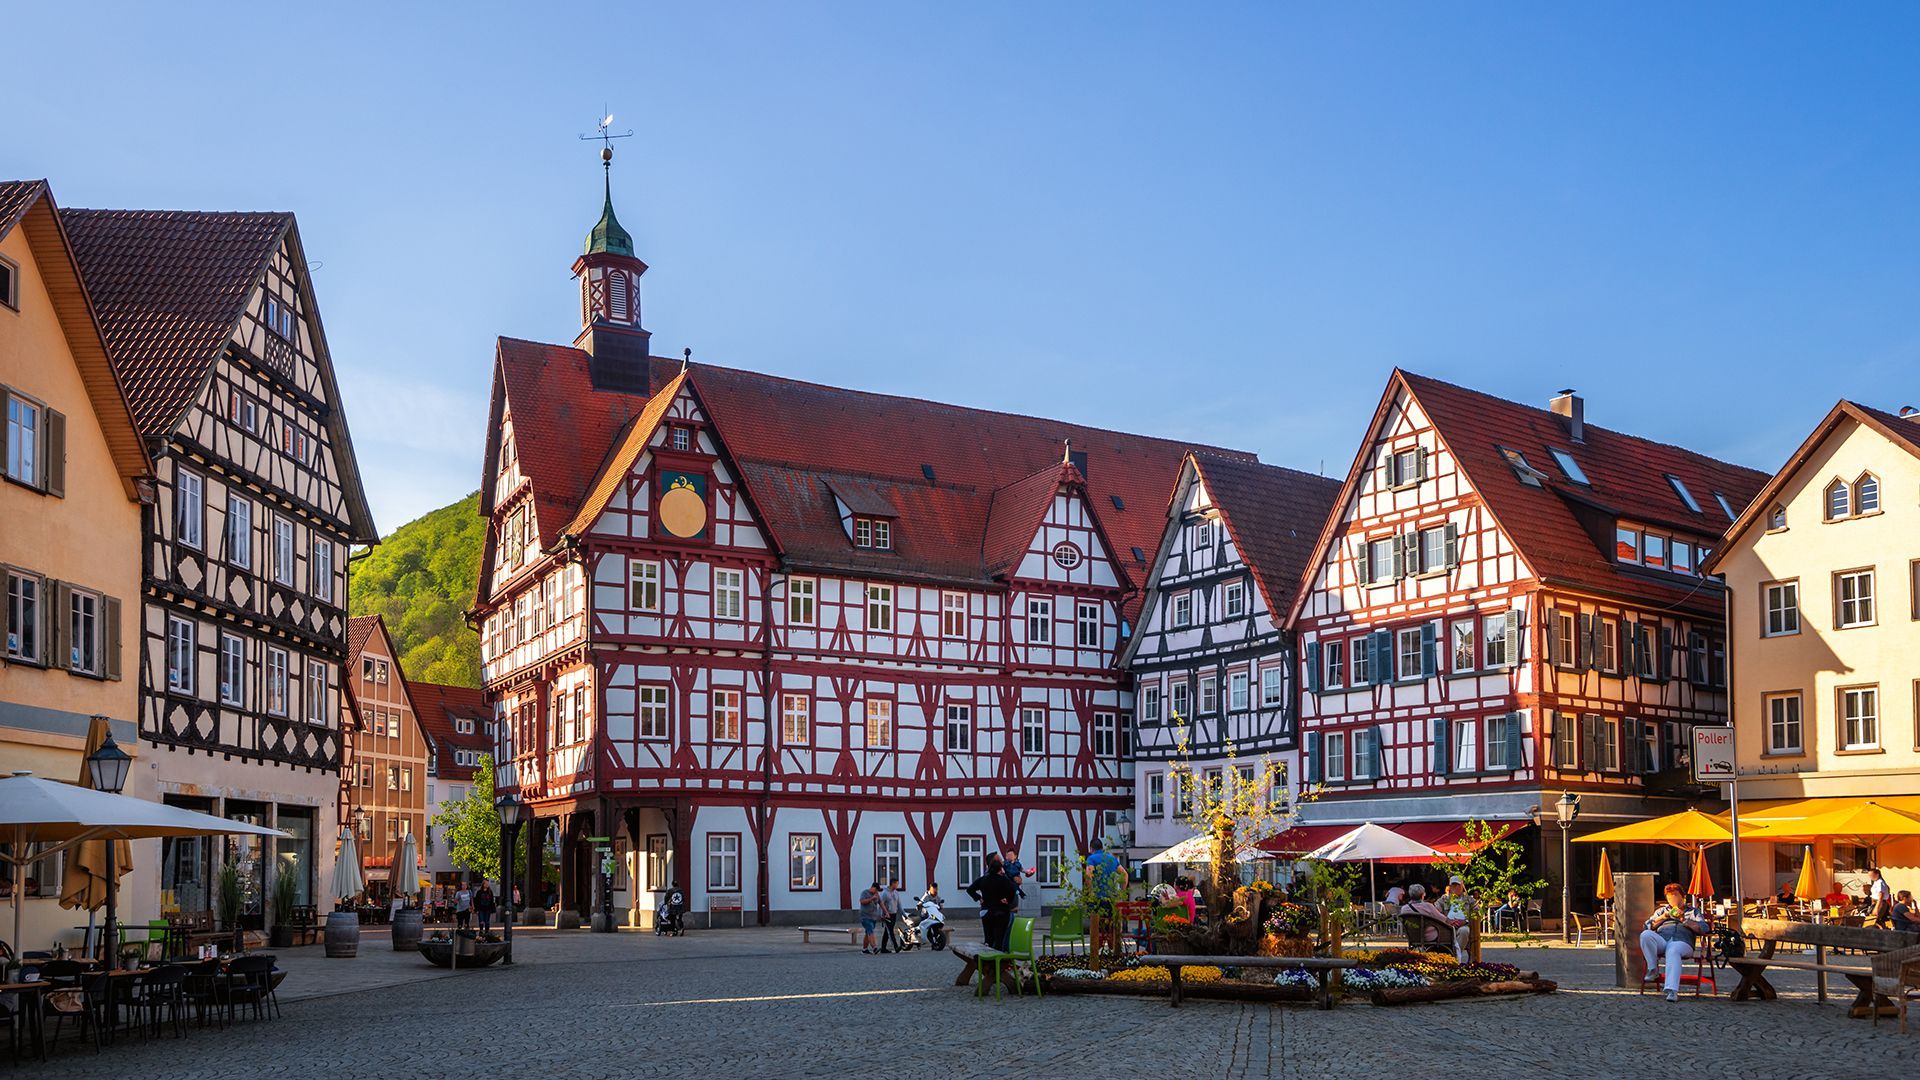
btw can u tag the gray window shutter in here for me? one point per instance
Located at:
(1553, 636)
(1440, 764)
(1380, 751)
(1453, 545)
(58, 598)
(1383, 657)
(1314, 771)
(1514, 762)
(1583, 643)
(1514, 637)
(1630, 747)
(1363, 564)
(5, 395)
(1420, 463)
(54, 459)
(1630, 647)
(1663, 656)
(1652, 761)
(1429, 641)
(46, 655)
(1313, 666)
(1589, 743)
(110, 634)
(1400, 567)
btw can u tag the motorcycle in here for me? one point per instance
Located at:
(930, 924)
(670, 916)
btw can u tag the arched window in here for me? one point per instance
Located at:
(1778, 518)
(1866, 494)
(617, 295)
(1837, 500)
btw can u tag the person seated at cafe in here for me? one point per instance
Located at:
(1514, 910)
(1671, 932)
(1396, 896)
(1434, 919)
(1837, 899)
(1785, 895)
(1906, 916)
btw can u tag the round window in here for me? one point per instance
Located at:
(1066, 554)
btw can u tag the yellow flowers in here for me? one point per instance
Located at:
(1158, 975)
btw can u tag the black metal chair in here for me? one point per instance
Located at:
(159, 997)
(204, 990)
(250, 982)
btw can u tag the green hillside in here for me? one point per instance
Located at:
(421, 578)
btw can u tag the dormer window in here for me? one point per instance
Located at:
(1522, 471)
(873, 533)
(1866, 494)
(1569, 467)
(1725, 506)
(1837, 500)
(1680, 489)
(681, 438)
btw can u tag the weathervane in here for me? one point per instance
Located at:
(604, 132)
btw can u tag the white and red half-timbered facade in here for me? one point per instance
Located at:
(776, 640)
(1507, 605)
(1213, 660)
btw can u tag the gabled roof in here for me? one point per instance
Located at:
(1627, 478)
(29, 205)
(795, 444)
(1901, 431)
(437, 704)
(360, 630)
(169, 287)
(1274, 515)
(633, 440)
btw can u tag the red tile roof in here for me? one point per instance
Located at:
(437, 704)
(1274, 515)
(1903, 430)
(359, 631)
(1627, 478)
(169, 285)
(15, 197)
(793, 442)
(1015, 515)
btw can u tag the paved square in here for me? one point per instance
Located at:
(734, 1003)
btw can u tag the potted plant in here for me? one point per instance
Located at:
(131, 953)
(285, 892)
(228, 895)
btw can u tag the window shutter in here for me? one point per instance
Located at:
(1650, 763)
(58, 598)
(1514, 638)
(1589, 743)
(1380, 751)
(54, 459)
(1400, 564)
(1553, 636)
(1514, 761)
(1440, 746)
(1429, 641)
(5, 396)
(1453, 545)
(1383, 657)
(1663, 657)
(1583, 657)
(1313, 666)
(1630, 646)
(110, 635)
(46, 654)
(1630, 747)
(1363, 564)
(1314, 770)
(1420, 463)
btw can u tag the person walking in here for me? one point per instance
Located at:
(462, 907)
(890, 913)
(869, 918)
(994, 891)
(1879, 900)
(483, 907)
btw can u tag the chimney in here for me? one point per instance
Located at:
(1570, 406)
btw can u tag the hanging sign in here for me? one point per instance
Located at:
(1713, 755)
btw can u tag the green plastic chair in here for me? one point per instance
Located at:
(1069, 927)
(1019, 947)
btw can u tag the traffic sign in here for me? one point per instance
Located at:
(1713, 755)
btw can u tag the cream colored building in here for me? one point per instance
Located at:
(1823, 580)
(72, 474)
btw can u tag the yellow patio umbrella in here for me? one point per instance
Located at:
(84, 883)
(1866, 822)
(1805, 889)
(1689, 829)
(1603, 889)
(1701, 883)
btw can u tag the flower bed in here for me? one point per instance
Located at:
(1385, 976)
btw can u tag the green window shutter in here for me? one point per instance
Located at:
(1514, 761)
(1363, 564)
(1440, 763)
(1314, 770)
(1420, 463)
(1429, 647)
(1400, 568)
(1553, 636)
(110, 610)
(1383, 657)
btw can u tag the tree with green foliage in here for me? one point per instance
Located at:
(421, 579)
(472, 829)
(1495, 866)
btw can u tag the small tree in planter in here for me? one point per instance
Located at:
(1232, 809)
(1496, 866)
(286, 889)
(230, 895)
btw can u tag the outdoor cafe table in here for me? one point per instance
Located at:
(31, 1011)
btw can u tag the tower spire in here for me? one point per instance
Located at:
(607, 235)
(611, 334)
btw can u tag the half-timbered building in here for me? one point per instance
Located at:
(385, 774)
(1213, 660)
(1508, 604)
(459, 727)
(779, 639)
(212, 328)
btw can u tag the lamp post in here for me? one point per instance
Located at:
(511, 811)
(107, 767)
(1566, 811)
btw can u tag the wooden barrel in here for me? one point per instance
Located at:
(406, 930)
(343, 934)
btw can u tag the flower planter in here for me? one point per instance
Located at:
(473, 953)
(1285, 945)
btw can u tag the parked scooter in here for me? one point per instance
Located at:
(930, 924)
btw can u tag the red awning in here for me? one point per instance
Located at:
(1446, 837)
(1303, 838)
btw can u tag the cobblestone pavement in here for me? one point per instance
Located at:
(734, 1003)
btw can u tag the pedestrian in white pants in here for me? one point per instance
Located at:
(1671, 933)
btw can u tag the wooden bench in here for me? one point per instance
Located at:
(719, 904)
(807, 932)
(1771, 933)
(304, 924)
(1322, 967)
(969, 953)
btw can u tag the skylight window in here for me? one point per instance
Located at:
(1527, 474)
(1725, 506)
(1117, 504)
(1569, 467)
(1686, 496)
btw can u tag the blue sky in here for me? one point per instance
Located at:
(1217, 222)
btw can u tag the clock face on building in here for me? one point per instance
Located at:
(683, 504)
(1066, 555)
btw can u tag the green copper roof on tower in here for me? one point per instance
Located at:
(607, 235)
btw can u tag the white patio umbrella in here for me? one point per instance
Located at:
(1368, 843)
(404, 877)
(346, 868)
(38, 811)
(1199, 849)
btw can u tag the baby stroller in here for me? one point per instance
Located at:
(670, 916)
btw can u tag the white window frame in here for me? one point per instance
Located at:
(1234, 604)
(1272, 685)
(1239, 691)
(233, 670)
(1490, 642)
(277, 686)
(1780, 608)
(189, 509)
(652, 711)
(1859, 719)
(803, 595)
(959, 720)
(1209, 695)
(1180, 699)
(321, 557)
(1463, 634)
(796, 718)
(1039, 620)
(876, 716)
(26, 435)
(283, 550)
(1853, 595)
(1379, 556)
(239, 530)
(723, 862)
(1496, 744)
(1086, 623)
(729, 593)
(1049, 860)
(1156, 795)
(953, 615)
(181, 659)
(1033, 730)
(1150, 704)
(1359, 661)
(86, 639)
(1463, 756)
(1433, 549)
(643, 585)
(969, 859)
(725, 715)
(1333, 755)
(1183, 608)
(1105, 738)
(1409, 664)
(1786, 722)
(314, 692)
(880, 608)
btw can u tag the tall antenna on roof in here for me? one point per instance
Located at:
(1066, 451)
(686, 359)
(604, 132)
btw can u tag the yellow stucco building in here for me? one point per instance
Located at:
(1823, 586)
(72, 477)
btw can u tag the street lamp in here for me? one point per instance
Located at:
(360, 822)
(511, 811)
(1566, 812)
(108, 768)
